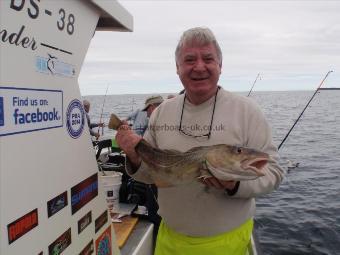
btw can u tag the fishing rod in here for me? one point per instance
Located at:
(310, 100)
(101, 114)
(133, 103)
(258, 75)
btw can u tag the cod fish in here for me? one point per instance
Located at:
(225, 162)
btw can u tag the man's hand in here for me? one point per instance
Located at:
(218, 184)
(101, 124)
(127, 141)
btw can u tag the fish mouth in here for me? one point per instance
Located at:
(256, 165)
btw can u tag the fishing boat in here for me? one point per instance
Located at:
(53, 202)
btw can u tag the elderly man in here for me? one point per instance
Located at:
(87, 107)
(141, 117)
(193, 221)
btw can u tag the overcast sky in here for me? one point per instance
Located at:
(293, 44)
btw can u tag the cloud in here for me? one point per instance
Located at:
(293, 43)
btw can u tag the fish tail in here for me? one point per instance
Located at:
(114, 122)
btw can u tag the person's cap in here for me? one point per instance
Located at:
(152, 100)
(86, 102)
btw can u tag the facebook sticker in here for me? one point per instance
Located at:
(25, 110)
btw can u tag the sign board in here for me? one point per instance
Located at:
(49, 191)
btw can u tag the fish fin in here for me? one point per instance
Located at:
(204, 173)
(172, 151)
(218, 173)
(194, 149)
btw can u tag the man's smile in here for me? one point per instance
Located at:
(199, 78)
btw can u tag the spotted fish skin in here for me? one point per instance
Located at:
(222, 161)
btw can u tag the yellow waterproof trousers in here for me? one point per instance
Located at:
(234, 242)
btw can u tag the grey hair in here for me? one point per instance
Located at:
(199, 36)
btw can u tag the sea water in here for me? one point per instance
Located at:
(303, 215)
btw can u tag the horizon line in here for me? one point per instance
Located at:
(119, 94)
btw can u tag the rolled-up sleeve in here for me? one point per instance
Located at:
(259, 137)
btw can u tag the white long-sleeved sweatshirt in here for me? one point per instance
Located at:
(237, 120)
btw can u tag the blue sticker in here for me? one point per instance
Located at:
(2, 119)
(56, 204)
(24, 110)
(75, 118)
(53, 66)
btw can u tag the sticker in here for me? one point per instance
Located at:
(59, 245)
(52, 65)
(100, 221)
(21, 226)
(75, 118)
(26, 110)
(56, 204)
(103, 243)
(88, 250)
(84, 192)
(84, 222)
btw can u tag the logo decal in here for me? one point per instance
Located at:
(59, 245)
(84, 192)
(84, 222)
(88, 250)
(51, 65)
(75, 118)
(21, 226)
(25, 110)
(56, 204)
(103, 243)
(100, 221)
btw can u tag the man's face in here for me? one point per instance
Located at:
(199, 69)
(150, 109)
